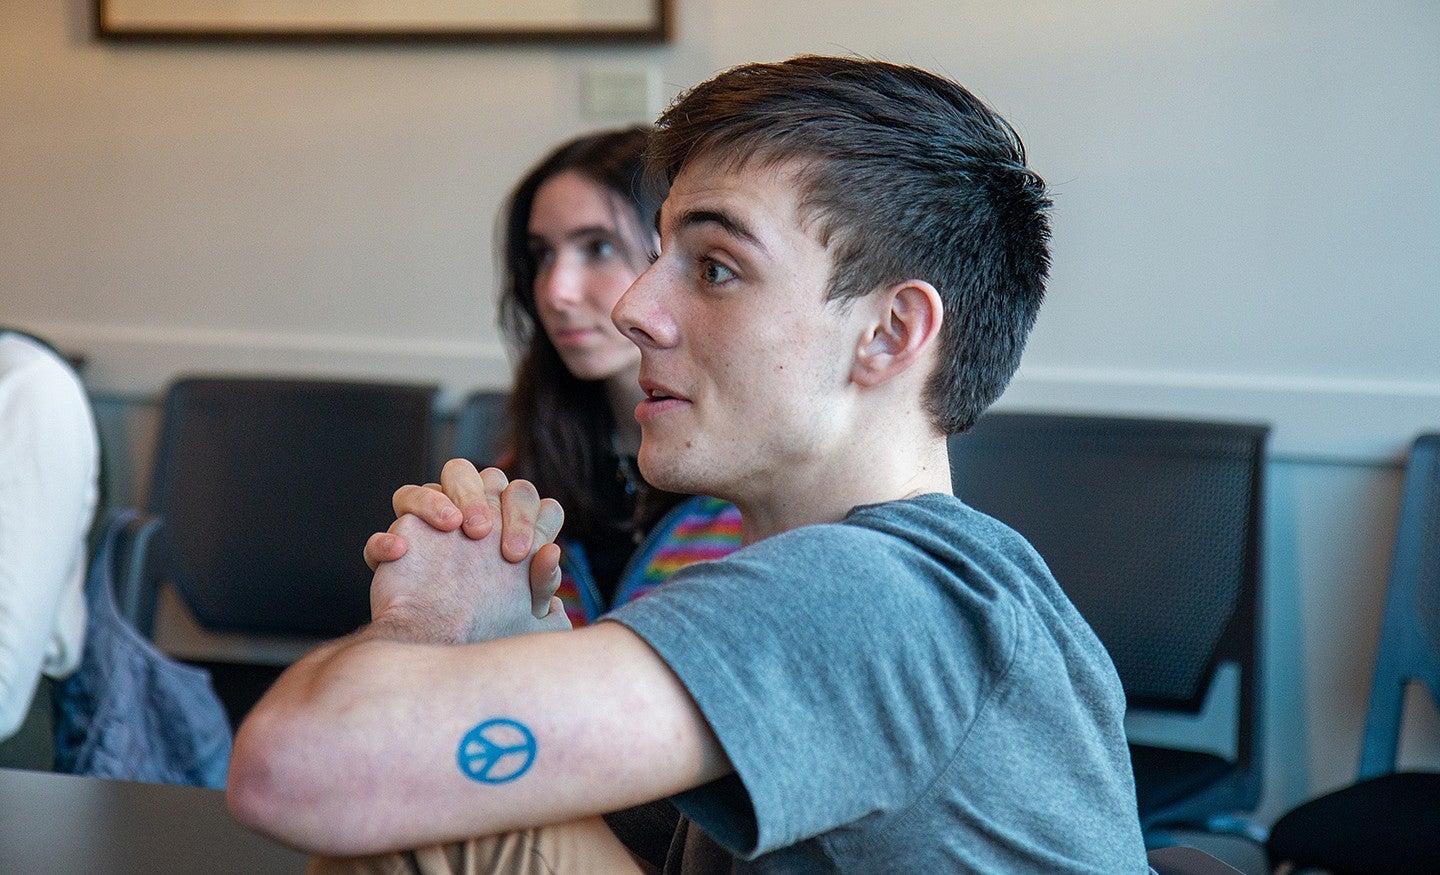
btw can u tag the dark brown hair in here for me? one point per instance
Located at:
(910, 176)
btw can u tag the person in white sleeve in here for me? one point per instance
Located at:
(49, 487)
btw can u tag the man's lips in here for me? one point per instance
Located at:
(656, 391)
(659, 399)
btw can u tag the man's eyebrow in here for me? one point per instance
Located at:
(728, 223)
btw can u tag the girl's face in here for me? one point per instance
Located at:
(584, 261)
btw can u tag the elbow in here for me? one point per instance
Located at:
(292, 776)
(249, 787)
(262, 789)
(277, 784)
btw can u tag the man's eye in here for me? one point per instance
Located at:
(715, 273)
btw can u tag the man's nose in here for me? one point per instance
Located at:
(639, 314)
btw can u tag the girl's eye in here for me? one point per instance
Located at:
(652, 255)
(715, 273)
(599, 250)
(541, 255)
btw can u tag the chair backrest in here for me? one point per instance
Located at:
(269, 488)
(1182, 860)
(1152, 527)
(480, 425)
(1409, 648)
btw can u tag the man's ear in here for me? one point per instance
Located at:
(906, 325)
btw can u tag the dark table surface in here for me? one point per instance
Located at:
(54, 824)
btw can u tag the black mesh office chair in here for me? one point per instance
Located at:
(1181, 860)
(480, 425)
(269, 488)
(1387, 822)
(1152, 528)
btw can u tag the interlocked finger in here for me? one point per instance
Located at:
(429, 504)
(548, 522)
(492, 482)
(383, 547)
(467, 490)
(519, 512)
(544, 581)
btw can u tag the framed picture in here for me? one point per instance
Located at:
(484, 20)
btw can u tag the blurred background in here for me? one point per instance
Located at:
(1247, 227)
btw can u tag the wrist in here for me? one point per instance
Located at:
(412, 627)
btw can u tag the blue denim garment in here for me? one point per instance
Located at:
(129, 711)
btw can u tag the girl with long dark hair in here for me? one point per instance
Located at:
(578, 228)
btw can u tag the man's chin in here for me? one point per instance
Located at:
(669, 472)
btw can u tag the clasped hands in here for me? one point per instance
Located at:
(471, 558)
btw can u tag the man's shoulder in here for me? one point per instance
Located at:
(933, 511)
(925, 511)
(944, 523)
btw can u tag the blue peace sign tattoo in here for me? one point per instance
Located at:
(497, 751)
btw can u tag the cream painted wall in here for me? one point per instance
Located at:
(1247, 194)
(1247, 217)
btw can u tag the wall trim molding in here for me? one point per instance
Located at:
(141, 360)
(1314, 419)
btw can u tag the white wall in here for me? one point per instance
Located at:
(1247, 219)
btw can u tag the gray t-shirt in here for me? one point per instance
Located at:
(905, 691)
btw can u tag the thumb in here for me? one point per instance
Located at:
(557, 620)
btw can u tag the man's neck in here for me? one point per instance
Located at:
(829, 493)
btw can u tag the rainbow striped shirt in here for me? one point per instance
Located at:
(696, 530)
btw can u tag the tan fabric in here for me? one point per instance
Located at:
(585, 847)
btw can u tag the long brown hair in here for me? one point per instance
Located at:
(561, 426)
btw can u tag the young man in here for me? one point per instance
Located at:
(852, 254)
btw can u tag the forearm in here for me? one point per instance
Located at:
(339, 753)
(313, 759)
(359, 747)
(406, 734)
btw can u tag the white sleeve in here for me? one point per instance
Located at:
(49, 467)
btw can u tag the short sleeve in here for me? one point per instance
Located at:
(835, 664)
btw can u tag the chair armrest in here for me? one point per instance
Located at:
(143, 556)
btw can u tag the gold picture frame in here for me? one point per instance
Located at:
(386, 20)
